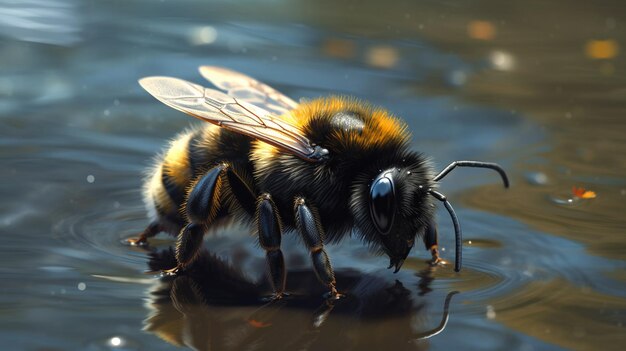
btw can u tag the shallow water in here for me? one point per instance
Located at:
(524, 88)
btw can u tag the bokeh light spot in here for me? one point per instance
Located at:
(602, 49)
(382, 56)
(481, 30)
(340, 48)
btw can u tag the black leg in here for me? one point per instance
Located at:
(189, 244)
(201, 207)
(431, 243)
(151, 230)
(309, 227)
(203, 199)
(458, 235)
(269, 228)
(241, 191)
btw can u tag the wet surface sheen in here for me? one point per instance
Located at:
(543, 95)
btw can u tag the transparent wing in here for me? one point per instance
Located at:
(248, 89)
(218, 108)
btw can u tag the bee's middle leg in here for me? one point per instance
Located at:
(309, 227)
(269, 228)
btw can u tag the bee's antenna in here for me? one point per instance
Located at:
(457, 227)
(479, 164)
(444, 319)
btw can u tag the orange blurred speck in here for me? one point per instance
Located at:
(481, 30)
(582, 193)
(602, 49)
(341, 48)
(258, 324)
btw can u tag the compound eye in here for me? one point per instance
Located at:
(383, 202)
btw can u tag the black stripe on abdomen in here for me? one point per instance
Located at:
(195, 153)
(173, 217)
(175, 192)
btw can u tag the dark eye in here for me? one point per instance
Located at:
(383, 202)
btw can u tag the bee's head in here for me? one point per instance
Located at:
(391, 206)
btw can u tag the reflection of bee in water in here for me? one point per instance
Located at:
(214, 306)
(323, 168)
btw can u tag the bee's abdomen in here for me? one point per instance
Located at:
(176, 172)
(167, 186)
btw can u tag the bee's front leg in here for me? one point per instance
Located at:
(310, 228)
(430, 241)
(269, 228)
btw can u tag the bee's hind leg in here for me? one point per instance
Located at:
(269, 228)
(151, 230)
(201, 207)
(431, 242)
(310, 228)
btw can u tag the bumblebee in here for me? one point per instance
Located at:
(324, 169)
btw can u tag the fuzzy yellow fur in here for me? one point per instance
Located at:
(156, 196)
(380, 125)
(176, 161)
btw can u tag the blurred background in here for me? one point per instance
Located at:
(539, 87)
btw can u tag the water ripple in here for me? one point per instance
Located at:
(42, 21)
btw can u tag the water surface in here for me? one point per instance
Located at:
(536, 87)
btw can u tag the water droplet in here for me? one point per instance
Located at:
(82, 286)
(91, 178)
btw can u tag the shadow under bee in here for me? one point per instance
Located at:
(214, 306)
